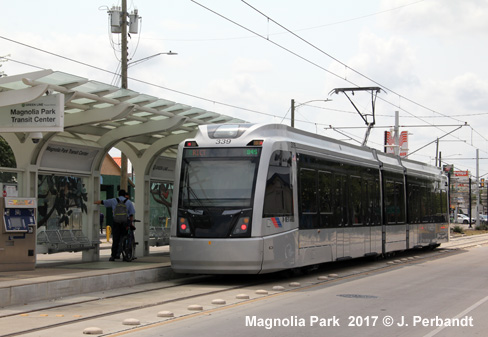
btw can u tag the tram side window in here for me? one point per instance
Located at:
(394, 202)
(434, 208)
(308, 198)
(356, 196)
(414, 203)
(375, 201)
(278, 197)
(439, 203)
(400, 192)
(325, 198)
(390, 207)
(426, 204)
(442, 200)
(340, 201)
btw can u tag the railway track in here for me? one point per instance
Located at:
(466, 241)
(177, 296)
(119, 302)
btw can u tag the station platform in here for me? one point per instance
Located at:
(60, 275)
(65, 274)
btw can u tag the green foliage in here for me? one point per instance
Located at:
(458, 229)
(482, 227)
(7, 159)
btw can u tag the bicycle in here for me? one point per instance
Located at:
(128, 244)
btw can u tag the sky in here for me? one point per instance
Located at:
(250, 59)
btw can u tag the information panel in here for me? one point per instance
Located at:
(221, 152)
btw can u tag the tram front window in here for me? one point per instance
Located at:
(216, 192)
(217, 183)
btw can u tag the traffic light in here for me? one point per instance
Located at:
(482, 183)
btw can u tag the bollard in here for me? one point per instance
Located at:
(108, 229)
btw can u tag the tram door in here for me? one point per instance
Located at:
(341, 216)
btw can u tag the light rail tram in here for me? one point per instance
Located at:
(254, 198)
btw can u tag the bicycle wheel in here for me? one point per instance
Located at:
(127, 252)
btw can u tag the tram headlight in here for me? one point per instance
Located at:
(183, 226)
(242, 227)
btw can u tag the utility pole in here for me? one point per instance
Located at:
(469, 210)
(124, 44)
(292, 113)
(396, 134)
(478, 194)
(123, 159)
(437, 151)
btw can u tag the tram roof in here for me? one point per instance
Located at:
(94, 109)
(334, 147)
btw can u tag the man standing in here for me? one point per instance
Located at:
(123, 211)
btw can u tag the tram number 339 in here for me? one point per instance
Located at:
(222, 141)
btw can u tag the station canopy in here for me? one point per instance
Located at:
(103, 114)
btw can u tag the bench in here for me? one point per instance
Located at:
(159, 236)
(64, 240)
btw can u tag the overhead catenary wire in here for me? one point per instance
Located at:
(340, 62)
(131, 78)
(135, 79)
(293, 53)
(349, 136)
(262, 112)
(166, 88)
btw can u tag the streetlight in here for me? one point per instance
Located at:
(293, 108)
(133, 63)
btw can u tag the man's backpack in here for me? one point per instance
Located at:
(120, 212)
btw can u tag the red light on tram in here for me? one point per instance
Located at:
(242, 227)
(191, 143)
(256, 142)
(184, 228)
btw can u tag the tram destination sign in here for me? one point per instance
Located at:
(45, 114)
(196, 152)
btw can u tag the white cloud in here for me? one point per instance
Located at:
(471, 91)
(443, 18)
(390, 62)
(246, 65)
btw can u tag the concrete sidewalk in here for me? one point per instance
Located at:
(64, 274)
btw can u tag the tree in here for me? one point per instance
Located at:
(7, 159)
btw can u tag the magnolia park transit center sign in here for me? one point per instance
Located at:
(43, 114)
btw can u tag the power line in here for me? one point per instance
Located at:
(131, 78)
(345, 65)
(346, 134)
(177, 91)
(265, 38)
(298, 30)
(335, 59)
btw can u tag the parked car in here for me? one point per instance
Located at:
(461, 218)
(483, 217)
